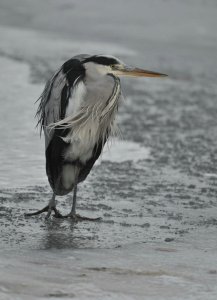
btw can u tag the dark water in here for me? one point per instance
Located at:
(156, 190)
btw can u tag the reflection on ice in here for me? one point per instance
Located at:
(120, 151)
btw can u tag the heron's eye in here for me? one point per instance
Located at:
(113, 66)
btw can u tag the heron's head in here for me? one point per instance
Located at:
(100, 65)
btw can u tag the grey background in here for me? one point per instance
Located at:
(155, 190)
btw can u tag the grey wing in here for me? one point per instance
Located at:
(49, 110)
(54, 99)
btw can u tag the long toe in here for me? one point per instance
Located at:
(45, 209)
(77, 218)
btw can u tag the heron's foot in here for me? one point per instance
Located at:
(78, 218)
(47, 209)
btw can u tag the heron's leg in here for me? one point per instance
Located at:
(51, 206)
(72, 212)
(73, 215)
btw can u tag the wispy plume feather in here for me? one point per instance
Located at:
(93, 121)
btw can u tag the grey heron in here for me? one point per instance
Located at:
(77, 114)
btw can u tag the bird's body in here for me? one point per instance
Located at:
(71, 150)
(77, 113)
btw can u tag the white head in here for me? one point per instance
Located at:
(101, 65)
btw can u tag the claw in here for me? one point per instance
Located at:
(57, 214)
(77, 218)
(37, 212)
(47, 209)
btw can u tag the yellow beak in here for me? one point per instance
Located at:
(136, 72)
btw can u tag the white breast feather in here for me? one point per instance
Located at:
(76, 100)
(82, 141)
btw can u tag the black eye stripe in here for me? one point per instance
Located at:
(102, 60)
